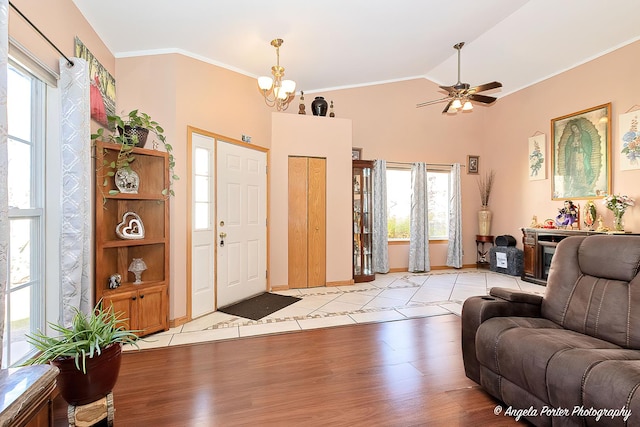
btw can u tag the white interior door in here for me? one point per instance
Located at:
(203, 241)
(241, 222)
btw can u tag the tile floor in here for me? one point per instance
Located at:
(392, 296)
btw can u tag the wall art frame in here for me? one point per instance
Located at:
(473, 164)
(537, 156)
(356, 153)
(581, 154)
(629, 140)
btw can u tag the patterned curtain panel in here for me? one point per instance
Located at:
(75, 242)
(4, 164)
(380, 249)
(454, 252)
(419, 224)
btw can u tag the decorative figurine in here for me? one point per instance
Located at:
(567, 215)
(114, 281)
(589, 215)
(302, 106)
(331, 113)
(534, 222)
(601, 228)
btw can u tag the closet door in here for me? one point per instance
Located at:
(298, 222)
(317, 220)
(307, 222)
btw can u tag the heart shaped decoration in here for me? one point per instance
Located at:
(131, 227)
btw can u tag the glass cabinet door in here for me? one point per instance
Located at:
(362, 221)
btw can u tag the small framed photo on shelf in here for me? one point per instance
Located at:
(472, 164)
(356, 153)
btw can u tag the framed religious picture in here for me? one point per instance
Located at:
(356, 153)
(472, 164)
(581, 154)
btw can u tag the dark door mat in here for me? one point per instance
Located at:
(255, 308)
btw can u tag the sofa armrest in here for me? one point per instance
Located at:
(478, 309)
(516, 296)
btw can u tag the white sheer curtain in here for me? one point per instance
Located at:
(419, 224)
(454, 252)
(4, 164)
(76, 228)
(380, 231)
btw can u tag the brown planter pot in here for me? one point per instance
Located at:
(78, 388)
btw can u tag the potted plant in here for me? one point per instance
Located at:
(88, 353)
(132, 131)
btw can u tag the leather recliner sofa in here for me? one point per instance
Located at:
(572, 357)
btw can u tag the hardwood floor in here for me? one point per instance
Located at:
(402, 373)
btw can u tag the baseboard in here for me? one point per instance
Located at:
(433, 267)
(335, 283)
(178, 322)
(340, 283)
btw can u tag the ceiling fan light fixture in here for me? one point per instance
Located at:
(456, 104)
(467, 106)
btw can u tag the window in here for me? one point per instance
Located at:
(24, 309)
(399, 203)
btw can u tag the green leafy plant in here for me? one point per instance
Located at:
(88, 335)
(128, 138)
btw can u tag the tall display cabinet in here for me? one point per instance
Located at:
(362, 221)
(132, 223)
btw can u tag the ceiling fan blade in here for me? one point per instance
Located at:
(482, 98)
(486, 86)
(447, 107)
(435, 101)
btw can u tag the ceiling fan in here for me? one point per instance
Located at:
(461, 94)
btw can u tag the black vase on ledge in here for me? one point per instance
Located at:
(319, 106)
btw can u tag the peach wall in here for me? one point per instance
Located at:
(304, 135)
(61, 22)
(516, 117)
(387, 125)
(178, 91)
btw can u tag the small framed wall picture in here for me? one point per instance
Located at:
(472, 164)
(356, 153)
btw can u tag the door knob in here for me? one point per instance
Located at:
(223, 235)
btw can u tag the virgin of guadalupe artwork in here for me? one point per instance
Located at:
(581, 150)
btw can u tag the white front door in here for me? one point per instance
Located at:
(241, 222)
(203, 241)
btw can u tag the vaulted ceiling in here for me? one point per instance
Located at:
(333, 44)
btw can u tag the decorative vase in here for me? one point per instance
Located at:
(484, 221)
(127, 180)
(130, 131)
(618, 223)
(319, 106)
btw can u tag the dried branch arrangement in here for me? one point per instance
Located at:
(485, 185)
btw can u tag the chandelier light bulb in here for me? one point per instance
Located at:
(456, 104)
(467, 106)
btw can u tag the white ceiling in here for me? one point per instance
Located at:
(331, 44)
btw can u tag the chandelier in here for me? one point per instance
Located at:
(277, 92)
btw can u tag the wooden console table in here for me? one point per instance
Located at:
(539, 245)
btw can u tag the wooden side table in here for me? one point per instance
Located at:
(481, 253)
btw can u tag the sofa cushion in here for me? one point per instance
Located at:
(610, 385)
(592, 286)
(520, 349)
(568, 369)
